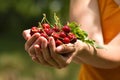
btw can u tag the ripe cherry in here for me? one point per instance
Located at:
(62, 34)
(40, 31)
(45, 25)
(72, 37)
(48, 31)
(58, 42)
(55, 35)
(56, 29)
(66, 40)
(44, 35)
(66, 29)
(34, 29)
(73, 40)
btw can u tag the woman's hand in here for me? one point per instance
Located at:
(45, 52)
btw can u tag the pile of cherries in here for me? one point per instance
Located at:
(61, 35)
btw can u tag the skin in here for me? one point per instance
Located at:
(117, 2)
(107, 58)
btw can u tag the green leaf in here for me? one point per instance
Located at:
(81, 34)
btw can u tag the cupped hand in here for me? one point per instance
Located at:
(45, 52)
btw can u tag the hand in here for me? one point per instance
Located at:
(75, 51)
(38, 48)
(47, 54)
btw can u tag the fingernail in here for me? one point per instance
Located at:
(37, 34)
(51, 39)
(36, 46)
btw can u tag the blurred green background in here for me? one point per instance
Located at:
(17, 15)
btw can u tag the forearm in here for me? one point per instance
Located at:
(100, 58)
(86, 13)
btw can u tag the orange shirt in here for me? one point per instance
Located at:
(110, 19)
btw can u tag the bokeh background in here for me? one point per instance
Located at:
(17, 15)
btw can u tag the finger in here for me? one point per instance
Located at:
(39, 59)
(31, 50)
(35, 59)
(58, 58)
(46, 53)
(65, 48)
(26, 34)
(39, 54)
(31, 41)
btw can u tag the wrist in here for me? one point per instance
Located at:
(83, 49)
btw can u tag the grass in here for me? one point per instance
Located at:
(15, 64)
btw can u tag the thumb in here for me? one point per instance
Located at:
(26, 34)
(65, 48)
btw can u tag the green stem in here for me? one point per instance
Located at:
(57, 21)
(45, 20)
(39, 25)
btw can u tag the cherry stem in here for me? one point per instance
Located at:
(39, 25)
(44, 20)
(57, 21)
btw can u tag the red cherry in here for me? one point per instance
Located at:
(44, 35)
(62, 34)
(55, 35)
(56, 29)
(66, 29)
(48, 31)
(73, 40)
(45, 25)
(72, 37)
(40, 31)
(58, 42)
(66, 40)
(34, 29)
